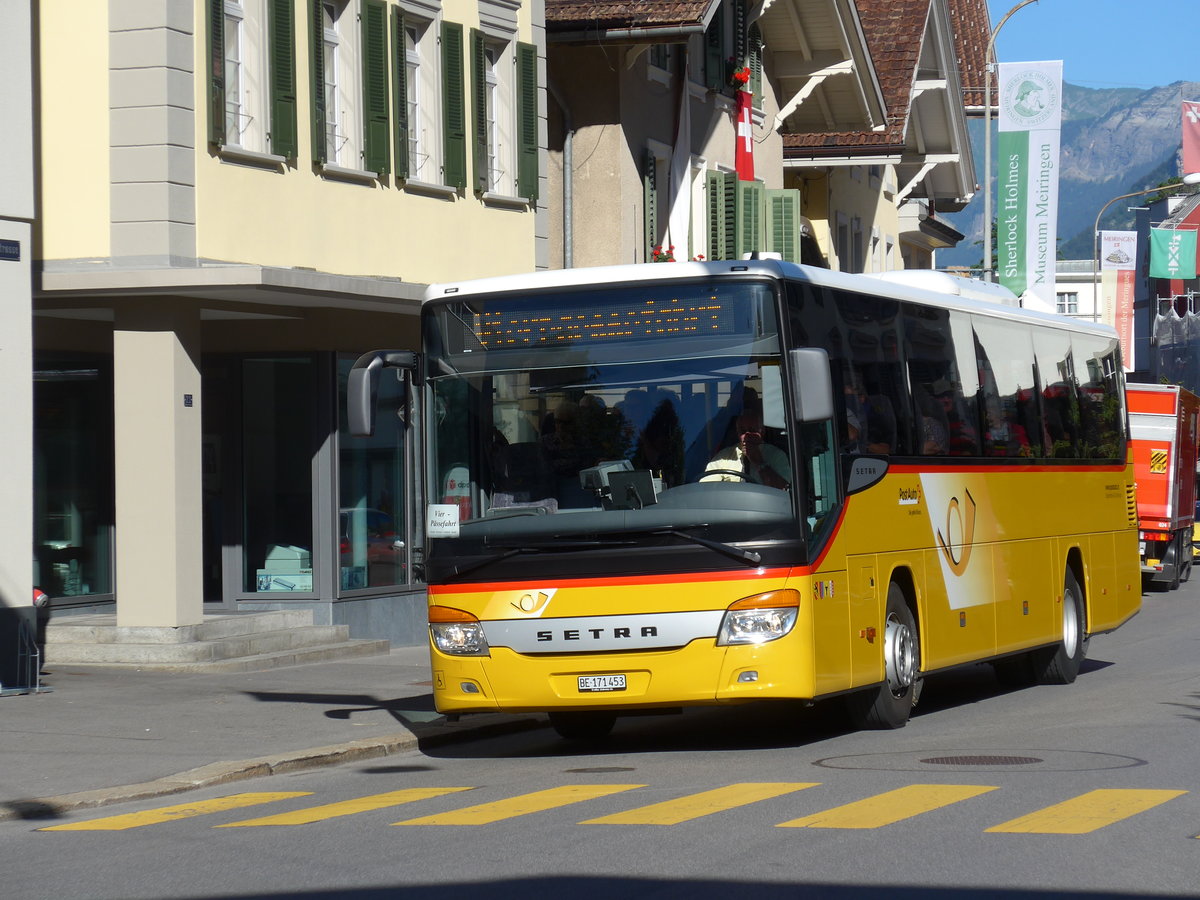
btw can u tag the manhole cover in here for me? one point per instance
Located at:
(997, 761)
(597, 770)
(981, 760)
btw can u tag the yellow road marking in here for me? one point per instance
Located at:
(523, 805)
(346, 807)
(890, 807)
(171, 813)
(672, 812)
(1087, 813)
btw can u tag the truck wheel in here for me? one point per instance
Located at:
(890, 704)
(582, 726)
(1060, 665)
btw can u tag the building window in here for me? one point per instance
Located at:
(1067, 303)
(252, 77)
(422, 110)
(660, 56)
(494, 114)
(335, 137)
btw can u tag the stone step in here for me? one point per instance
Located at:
(103, 629)
(239, 642)
(350, 649)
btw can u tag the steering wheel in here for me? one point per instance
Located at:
(738, 473)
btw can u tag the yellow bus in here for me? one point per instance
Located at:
(658, 486)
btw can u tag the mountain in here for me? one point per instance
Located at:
(1114, 141)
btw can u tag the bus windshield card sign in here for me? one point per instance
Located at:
(10, 251)
(441, 520)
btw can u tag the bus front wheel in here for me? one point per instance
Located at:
(1060, 664)
(890, 704)
(582, 726)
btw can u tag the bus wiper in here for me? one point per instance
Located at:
(749, 557)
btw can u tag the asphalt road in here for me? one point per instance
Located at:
(1090, 790)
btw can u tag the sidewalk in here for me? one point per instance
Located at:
(103, 736)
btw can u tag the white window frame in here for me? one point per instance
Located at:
(424, 100)
(343, 96)
(247, 101)
(501, 115)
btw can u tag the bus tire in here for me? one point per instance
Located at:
(890, 704)
(582, 726)
(1060, 664)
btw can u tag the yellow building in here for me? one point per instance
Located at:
(235, 199)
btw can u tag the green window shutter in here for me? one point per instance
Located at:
(316, 55)
(376, 150)
(714, 186)
(650, 202)
(216, 72)
(453, 111)
(783, 223)
(729, 195)
(748, 222)
(714, 52)
(740, 52)
(282, 39)
(479, 136)
(756, 62)
(527, 122)
(400, 92)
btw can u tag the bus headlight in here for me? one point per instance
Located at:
(759, 619)
(457, 633)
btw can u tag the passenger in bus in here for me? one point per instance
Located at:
(1004, 438)
(757, 461)
(876, 418)
(962, 436)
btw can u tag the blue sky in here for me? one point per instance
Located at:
(1103, 43)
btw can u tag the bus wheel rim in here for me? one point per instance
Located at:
(900, 655)
(1070, 625)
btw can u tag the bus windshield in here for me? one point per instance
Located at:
(650, 408)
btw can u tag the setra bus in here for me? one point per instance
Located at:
(658, 486)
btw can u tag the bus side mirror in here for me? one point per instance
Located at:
(362, 387)
(812, 384)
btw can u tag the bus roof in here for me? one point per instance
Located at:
(918, 286)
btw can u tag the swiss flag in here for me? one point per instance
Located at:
(1191, 137)
(743, 156)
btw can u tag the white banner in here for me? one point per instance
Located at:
(1030, 120)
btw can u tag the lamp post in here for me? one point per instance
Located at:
(1188, 179)
(987, 141)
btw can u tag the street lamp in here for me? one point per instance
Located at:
(987, 141)
(1188, 179)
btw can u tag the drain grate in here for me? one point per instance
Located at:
(979, 760)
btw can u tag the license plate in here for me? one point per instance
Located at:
(595, 683)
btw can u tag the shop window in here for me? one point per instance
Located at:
(278, 447)
(372, 491)
(73, 477)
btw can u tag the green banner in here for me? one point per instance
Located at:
(1012, 189)
(1172, 253)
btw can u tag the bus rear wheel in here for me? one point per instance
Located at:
(1060, 664)
(890, 704)
(582, 726)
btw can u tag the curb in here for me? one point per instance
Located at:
(276, 764)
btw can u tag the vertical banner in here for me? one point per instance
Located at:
(1030, 98)
(679, 217)
(1172, 253)
(1191, 137)
(743, 156)
(1118, 255)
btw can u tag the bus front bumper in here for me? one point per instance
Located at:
(695, 675)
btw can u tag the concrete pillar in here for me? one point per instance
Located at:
(16, 342)
(156, 385)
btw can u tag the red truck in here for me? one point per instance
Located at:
(1163, 423)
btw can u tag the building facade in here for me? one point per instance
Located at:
(236, 199)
